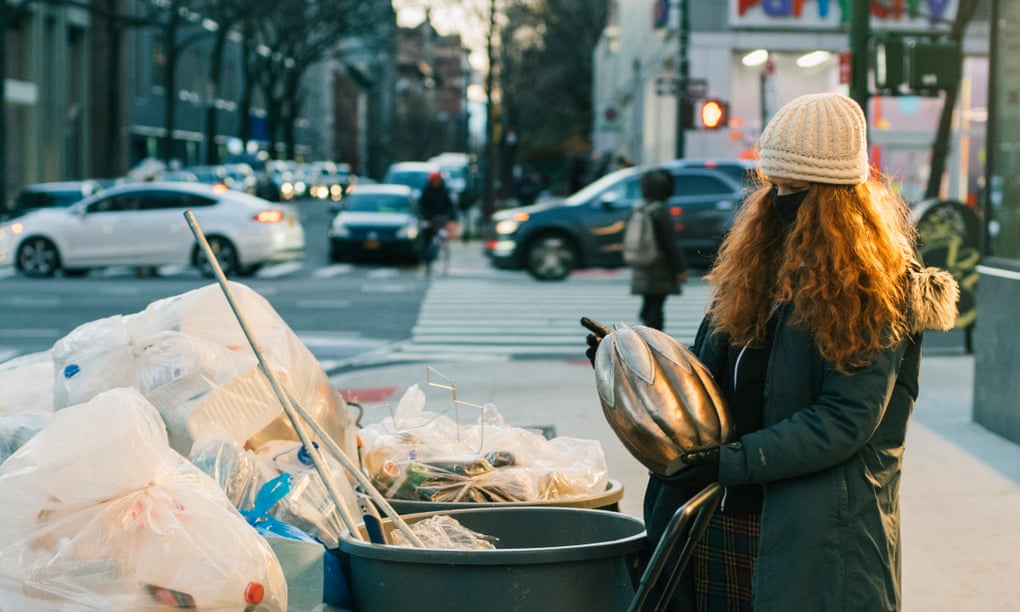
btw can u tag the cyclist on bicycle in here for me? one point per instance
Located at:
(436, 209)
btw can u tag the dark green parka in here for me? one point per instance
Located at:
(828, 458)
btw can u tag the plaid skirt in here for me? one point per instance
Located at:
(723, 563)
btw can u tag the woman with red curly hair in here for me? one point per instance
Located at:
(813, 334)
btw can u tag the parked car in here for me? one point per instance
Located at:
(143, 225)
(325, 181)
(210, 175)
(57, 194)
(286, 181)
(177, 176)
(414, 174)
(585, 230)
(377, 222)
(241, 177)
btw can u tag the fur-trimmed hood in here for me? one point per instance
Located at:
(933, 298)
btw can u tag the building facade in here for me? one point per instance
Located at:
(431, 93)
(46, 61)
(86, 94)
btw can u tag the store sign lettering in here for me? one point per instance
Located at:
(936, 10)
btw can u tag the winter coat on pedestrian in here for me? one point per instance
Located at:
(662, 277)
(435, 202)
(828, 459)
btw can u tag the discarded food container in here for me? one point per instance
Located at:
(546, 558)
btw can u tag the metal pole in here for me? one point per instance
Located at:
(682, 103)
(860, 32)
(488, 195)
(290, 408)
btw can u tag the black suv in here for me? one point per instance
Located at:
(585, 230)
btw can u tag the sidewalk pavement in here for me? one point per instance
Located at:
(960, 495)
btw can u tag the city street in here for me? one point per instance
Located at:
(355, 316)
(501, 337)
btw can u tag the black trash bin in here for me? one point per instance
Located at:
(547, 558)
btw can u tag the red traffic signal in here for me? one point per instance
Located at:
(714, 114)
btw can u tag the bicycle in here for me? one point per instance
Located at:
(438, 249)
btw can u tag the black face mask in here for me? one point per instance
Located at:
(786, 205)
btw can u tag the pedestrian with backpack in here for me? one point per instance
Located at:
(658, 266)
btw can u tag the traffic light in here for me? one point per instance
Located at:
(714, 114)
(933, 65)
(907, 65)
(890, 63)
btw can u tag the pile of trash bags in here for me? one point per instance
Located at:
(130, 448)
(147, 462)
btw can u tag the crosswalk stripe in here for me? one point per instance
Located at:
(500, 319)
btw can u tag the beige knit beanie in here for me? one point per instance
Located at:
(821, 138)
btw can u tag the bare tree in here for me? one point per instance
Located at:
(180, 25)
(228, 16)
(547, 78)
(295, 36)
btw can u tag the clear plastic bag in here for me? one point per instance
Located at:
(27, 384)
(308, 506)
(425, 456)
(189, 356)
(101, 514)
(444, 532)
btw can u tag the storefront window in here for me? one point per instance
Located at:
(1004, 184)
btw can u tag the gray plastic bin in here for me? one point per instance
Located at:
(547, 558)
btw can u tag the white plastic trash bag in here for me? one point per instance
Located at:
(26, 399)
(27, 384)
(188, 355)
(101, 514)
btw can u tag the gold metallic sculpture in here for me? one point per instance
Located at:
(658, 398)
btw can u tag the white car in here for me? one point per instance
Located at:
(143, 224)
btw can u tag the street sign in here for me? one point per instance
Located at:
(696, 89)
(666, 86)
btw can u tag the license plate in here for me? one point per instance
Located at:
(372, 244)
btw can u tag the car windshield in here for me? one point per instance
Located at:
(377, 203)
(587, 193)
(411, 178)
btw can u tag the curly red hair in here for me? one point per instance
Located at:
(842, 266)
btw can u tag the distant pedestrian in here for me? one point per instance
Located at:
(436, 209)
(665, 274)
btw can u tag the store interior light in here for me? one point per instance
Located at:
(755, 58)
(810, 60)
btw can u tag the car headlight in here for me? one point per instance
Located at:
(507, 226)
(408, 232)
